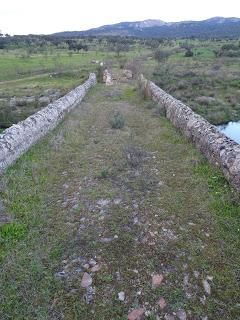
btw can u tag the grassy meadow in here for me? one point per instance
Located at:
(209, 84)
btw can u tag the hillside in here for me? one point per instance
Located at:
(217, 27)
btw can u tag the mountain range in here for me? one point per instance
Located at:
(217, 27)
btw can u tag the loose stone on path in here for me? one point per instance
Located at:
(136, 314)
(157, 280)
(86, 280)
(162, 303)
(181, 314)
(206, 286)
(121, 296)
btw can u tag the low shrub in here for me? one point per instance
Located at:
(104, 173)
(188, 53)
(118, 121)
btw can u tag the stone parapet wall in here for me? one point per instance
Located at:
(220, 150)
(17, 139)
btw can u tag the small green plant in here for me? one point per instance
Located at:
(107, 278)
(118, 121)
(189, 53)
(149, 104)
(160, 111)
(11, 232)
(104, 173)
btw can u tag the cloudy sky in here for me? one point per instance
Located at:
(48, 16)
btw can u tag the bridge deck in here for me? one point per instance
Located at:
(103, 215)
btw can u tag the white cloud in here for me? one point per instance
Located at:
(48, 16)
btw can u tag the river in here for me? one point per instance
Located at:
(231, 130)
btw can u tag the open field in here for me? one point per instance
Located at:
(210, 85)
(34, 81)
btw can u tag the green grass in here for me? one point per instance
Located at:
(201, 75)
(13, 66)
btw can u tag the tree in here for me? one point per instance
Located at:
(120, 45)
(188, 53)
(161, 55)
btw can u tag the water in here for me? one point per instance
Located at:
(231, 130)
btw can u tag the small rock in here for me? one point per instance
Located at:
(203, 100)
(136, 314)
(196, 274)
(181, 314)
(157, 280)
(61, 274)
(186, 280)
(2, 207)
(116, 236)
(128, 74)
(107, 78)
(4, 219)
(92, 262)
(86, 266)
(210, 278)
(86, 280)
(75, 206)
(203, 300)
(43, 101)
(106, 240)
(13, 102)
(117, 201)
(169, 317)
(118, 276)
(121, 296)
(96, 268)
(65, 261)
(185, 266)
(74, 261)
(148, 313)
(103, 202)
(73, 291)
(206, 286)
(135, 220)
(162, 303)
(89, 295)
